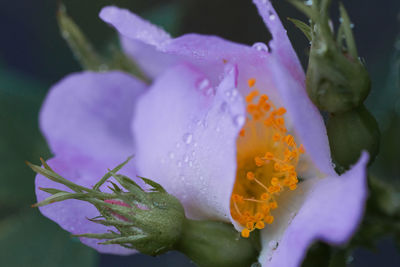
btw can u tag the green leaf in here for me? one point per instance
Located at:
(303, 27)
(77, 41)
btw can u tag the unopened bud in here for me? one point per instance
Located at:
(350, 133)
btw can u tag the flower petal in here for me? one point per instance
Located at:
(140, 39)
(72, 215)
(331, 212)
(186, 135)
(90, 113)
(280, 43)
(278, 72)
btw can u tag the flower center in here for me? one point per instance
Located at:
(267, 157)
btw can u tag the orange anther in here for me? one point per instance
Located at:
(245, 233)
(269, 219)
(241, 133)
(265, 196)
(273, 205)
(260, 225)
(269, 156)
(250, 176)
(251, 82)
(259, 161)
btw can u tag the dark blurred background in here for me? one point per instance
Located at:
(33, 56)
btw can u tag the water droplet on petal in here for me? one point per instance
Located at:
(171, 155)
(210, 91)
(228, 93)
(190, 163)
(273, 244)
(271, 16)
(224, 107)
(186, 158)
(203, 84)
(239, 120)
(201, 178)
(187, 138)
(260, 47)
(179, 164)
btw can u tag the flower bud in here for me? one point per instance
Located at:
(336, 82)
(153, 221)
(351, 132)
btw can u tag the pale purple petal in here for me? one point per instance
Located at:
(186, 133)
(140, 39)
(72, 215)
(280, 43)
(331, 212)
(305, 118)
(278, 73)
(89, 113)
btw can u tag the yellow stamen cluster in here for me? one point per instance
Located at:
(267, 160)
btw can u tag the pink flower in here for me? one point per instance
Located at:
(191, 131)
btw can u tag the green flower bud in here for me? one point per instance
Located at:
(337, 81)
(153, 221)
(351, 132)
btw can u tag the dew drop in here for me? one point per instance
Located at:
(235, 92)
(228, 93)
(190, 163)
(210, 91)
(239, 120)
(272, 16)
(182, 178)
(259, 46)
(273, 244)
(187, 138)
(201, 178)
(179, 164)
(224, 107)
(203, 84)
(171, 155)
(186, 158)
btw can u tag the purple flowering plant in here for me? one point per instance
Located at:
(233, 145)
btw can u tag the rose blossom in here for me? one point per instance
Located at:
(226, 128)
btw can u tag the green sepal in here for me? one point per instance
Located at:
(87, 55)
(83, 50)
(109, 174)
(306, 29)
